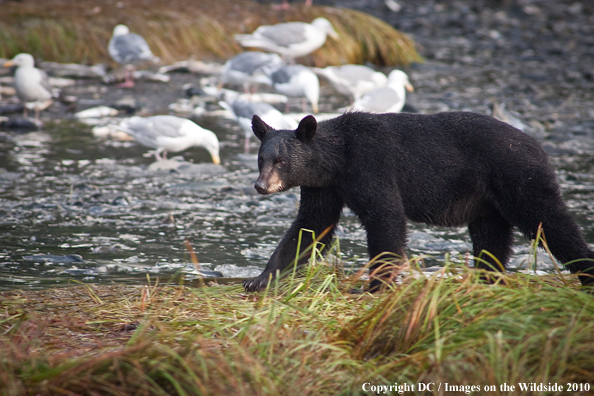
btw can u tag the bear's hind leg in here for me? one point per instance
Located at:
(493, 234)
(564, 239)
(541, 203)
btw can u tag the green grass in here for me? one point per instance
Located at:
(305, 335)
(78, 31)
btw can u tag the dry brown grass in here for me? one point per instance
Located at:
(78, 30)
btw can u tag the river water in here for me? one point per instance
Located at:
(74, 207)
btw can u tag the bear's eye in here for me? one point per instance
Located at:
(280, 161)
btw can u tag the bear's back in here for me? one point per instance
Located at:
(474, 136)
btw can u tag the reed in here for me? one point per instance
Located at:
(72, 31)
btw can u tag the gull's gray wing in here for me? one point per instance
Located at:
(45, 81)
(153, 127)
(169, 126)
(249, 62)
(354, 73)
(285, 74)
(245, 109)
(130, 47)
(284, 34)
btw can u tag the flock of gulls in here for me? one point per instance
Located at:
(368, 89)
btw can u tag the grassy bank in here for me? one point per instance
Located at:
(78, 30)
(306, 335)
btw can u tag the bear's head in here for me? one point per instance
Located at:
(286, 158)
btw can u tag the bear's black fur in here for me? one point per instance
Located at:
(445, 169)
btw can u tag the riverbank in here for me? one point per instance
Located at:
(308, 333)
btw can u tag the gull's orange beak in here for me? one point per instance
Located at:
(8, 63)
(409, 87)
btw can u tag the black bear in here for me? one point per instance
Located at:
(446, 169)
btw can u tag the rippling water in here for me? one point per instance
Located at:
(76, 208)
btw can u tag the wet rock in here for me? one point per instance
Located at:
(7, 91)
(11, 108)
(21, 124)
(120, 201)
(127, 105)
(52, 258)
(210, 274)
(194, 91)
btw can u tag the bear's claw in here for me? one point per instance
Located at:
(256, 284)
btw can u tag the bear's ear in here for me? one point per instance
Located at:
(307, 128)
(259, 127)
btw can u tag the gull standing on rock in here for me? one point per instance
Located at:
(290, 40)
(170, 133)
(128, 48)
(353, 80)
(244, 111)
(31, 84)
(297, 81)
(249, 67)
(388, 99)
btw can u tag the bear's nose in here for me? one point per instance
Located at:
(261, 187)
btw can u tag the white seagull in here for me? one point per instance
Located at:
(31, 84)
(297, 81)
(170, 133)
(353, 80)
(249, 67)
(388, 99)
(128, 48)
(244, 111)
(291, 39)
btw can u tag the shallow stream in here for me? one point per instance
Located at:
(73, 207)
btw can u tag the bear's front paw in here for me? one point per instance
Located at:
(256, 284)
